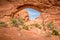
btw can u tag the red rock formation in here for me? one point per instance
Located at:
(50, 11)
(9, 34)
(22, 14)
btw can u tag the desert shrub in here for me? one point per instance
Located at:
(37, 25)
(14, 22)
(50, 26)
(21, 21)
(25, 27)
(54, 32)
(3, 24)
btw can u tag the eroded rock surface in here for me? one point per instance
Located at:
(50, 11)
(22, 14)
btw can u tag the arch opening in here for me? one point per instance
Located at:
(32, 13)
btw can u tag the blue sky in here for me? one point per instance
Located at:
(32, 13)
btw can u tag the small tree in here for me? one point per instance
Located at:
(43, 21)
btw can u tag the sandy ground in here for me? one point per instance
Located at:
(13, 33)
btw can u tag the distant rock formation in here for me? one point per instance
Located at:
(22, 14)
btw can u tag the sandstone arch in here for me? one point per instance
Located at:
(50, 9)
(28, 6)
(40, 5)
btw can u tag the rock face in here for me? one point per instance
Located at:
(9, 34)
(50, 11)
(22, 14)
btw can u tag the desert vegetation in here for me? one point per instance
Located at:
(3, 24)
(14, 22)
(17, 22)
(21, 21)
(53, 30)
(26, 27)
(36, 25)
(50, 25)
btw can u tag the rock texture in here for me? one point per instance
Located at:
(22, 14)
(9, 34)
(50, 11)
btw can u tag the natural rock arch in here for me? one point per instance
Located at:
(40, 5)
(46, 7)
(28, 6)
(50, 9)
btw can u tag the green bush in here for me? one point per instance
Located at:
(25, 27)
(50, 25)
(3, 24)
(14, 22)
(54, 32)
(37, 25)
(21, 21)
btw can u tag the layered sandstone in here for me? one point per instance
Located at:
(50, 8)
(22, 14)
(50, 11)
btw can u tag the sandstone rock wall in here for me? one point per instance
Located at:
(22, 14)
(50, 9)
